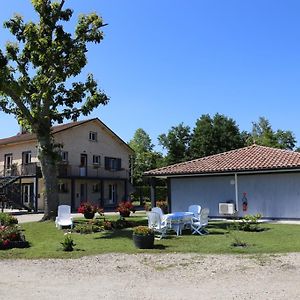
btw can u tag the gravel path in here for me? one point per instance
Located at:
(153, 276)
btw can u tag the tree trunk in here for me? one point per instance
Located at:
(49, 171)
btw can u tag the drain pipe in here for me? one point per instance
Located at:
(236, 192)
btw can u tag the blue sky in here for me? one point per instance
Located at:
(166, 62)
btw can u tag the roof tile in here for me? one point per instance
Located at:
(251, 158)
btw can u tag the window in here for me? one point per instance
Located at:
(96, 159)
(93, 136)
(8, 158)
(62, 188)
(113, 164)
(96, 188)
(64, 156)
(26, 157)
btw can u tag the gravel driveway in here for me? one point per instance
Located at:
(153, 276)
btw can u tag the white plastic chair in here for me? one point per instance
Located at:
(63, 216)
(198, 225)
(195, 209)
(155, 222)
(160, 212)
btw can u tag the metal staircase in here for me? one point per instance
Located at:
(10, 193)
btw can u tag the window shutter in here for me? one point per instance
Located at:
(118, 163)
(106, 163)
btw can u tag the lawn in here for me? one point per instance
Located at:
(45, 241)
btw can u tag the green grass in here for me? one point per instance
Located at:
(45, 241)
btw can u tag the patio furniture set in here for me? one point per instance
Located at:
(196, 219)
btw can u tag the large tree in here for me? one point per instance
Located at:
(176, 142)
(37, 79)
(145, 158)
(263, 134)
(215, 135)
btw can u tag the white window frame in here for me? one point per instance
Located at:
(64, 156)
(93, 136)
(97, 160)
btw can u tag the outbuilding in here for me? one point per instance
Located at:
(254, 179)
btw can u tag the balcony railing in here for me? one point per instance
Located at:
(30, 169)
(66, 170)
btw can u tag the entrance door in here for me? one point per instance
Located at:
(27, 194)
(83, 165)
(112, 194)
(83, 192)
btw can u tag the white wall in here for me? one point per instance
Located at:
(273, 195)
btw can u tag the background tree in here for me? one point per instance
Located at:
(177, 142)
(37, 83)
(263, 134)
(215, 135)
(145, 157)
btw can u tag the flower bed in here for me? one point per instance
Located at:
(12, 237)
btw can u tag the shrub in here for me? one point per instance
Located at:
(250, 223)
(87, 228)
(7, 219)
(124, 208)
(68, 243)
(10, 236)
(88, 207)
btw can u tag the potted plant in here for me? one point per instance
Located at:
(88, 210)
(124, 208)
(143, 237)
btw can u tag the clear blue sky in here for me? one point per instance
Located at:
(166, 62)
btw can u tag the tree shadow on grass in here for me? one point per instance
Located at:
(118, 233)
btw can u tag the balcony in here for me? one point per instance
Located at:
(30, 169)
(66, 170)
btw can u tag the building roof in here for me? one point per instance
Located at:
(252, 158)
(26, 137)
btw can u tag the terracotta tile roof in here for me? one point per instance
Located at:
(252, 158)
(24, 137)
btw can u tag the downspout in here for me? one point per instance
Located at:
(236, 192)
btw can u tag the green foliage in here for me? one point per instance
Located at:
(234, 233)
(144, 158)
(38, 82)
(142, 230)
(176, 142)
(276, 238)
(215, 135)
(250, 223)
(263, 134)
(68, 243)
(7, 219)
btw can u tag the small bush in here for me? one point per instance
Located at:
(7, 219)
(250, 223)
(68, 243)
(87, 228)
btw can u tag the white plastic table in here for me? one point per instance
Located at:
(178, 219)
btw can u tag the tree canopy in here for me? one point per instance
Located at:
(263, 134)
(214, 135)
(176, 142)
(145, 157)
(38, 78)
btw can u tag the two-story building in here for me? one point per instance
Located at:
(95, 166)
